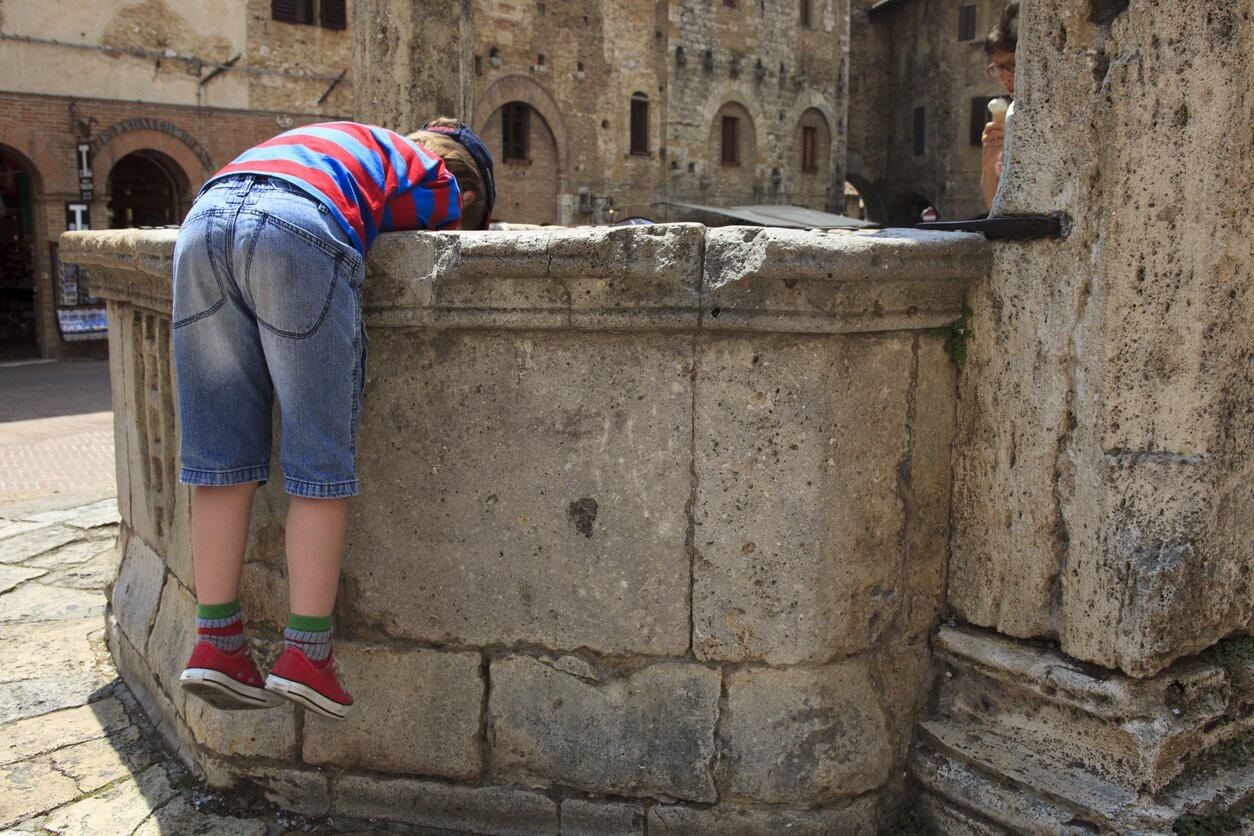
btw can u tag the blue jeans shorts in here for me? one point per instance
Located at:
(267, 302)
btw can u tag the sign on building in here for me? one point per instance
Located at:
(86, 180)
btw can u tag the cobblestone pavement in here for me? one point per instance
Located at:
(56, 429)
(77, 753)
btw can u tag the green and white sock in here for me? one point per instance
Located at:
(310, 634)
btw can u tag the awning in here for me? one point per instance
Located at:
(789, 217)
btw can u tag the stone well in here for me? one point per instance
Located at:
(653, 530)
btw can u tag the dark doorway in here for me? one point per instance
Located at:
(908, 209)
(145, 189)
(17, 258)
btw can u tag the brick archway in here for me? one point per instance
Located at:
(191, 170)
(519, 88)
(27, 145)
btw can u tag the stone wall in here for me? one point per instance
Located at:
(653, 526)
(1109, 389)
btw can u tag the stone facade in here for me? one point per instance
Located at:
(576, 67)
(142, 78)
(906, 55)
(615, 602)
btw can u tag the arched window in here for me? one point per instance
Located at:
(515, 127)
(639, 123)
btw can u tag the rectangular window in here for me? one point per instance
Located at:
(807, 14)
(293, 11)
(731, 140)
(966, 23)
(809, 150)
(329, 14)
(920, 131)
(639, 125)
(979, 118)
(731, 4)
(333, 14)
(515, 124)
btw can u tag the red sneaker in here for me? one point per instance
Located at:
(305, 683)
(225, 680)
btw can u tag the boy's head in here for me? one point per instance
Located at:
(467, 159)
(1000, 46)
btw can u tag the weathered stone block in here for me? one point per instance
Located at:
(540, 496)
(299, 790)
(137, 591)
(858, 817)
(418, 713)
(648, 733)
(803, 735)
(171, 640)
(264, 734)
(581, 817)
(799, 513)
(490, 809)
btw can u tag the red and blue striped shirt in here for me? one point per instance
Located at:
(371, 179)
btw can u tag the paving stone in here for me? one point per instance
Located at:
(493, 810)
(28, 789)
(12, 576)
(51, 665)
(428, 726)
(38, 602)
(97, 517)
(94, 574)
(650, 733)
(120, 809)
(581, 817)
(72, 554)
(96, 763)
(9, 528)
(23, 547)
(79, 512)
(37, 735)
(803, 735)
(181, 816)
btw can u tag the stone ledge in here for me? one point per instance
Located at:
(669, 276)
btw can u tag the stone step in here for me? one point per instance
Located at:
(964, 799)
(985, 769)
(1139, 734)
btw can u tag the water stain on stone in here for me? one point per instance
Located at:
(583, 513)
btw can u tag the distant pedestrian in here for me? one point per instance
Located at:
(1000, 46)
(268, 271)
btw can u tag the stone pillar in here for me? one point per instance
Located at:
(412, 60)
(1104, 466)
(1104, 478)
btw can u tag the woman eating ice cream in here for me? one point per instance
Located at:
(1000, 47)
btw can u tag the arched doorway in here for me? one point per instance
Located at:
(908, 209)
(146, 188)
(527, 164)
(812, 163)
(18, 334)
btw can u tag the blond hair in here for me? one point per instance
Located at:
(461, 165)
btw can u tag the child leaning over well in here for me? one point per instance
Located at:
(268, 271)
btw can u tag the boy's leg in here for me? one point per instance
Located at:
(315, 542)
(219, 536)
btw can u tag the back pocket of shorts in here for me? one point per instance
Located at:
(290, 277)
(197, 286)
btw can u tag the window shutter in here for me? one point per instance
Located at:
(731, 140)
(283, 10)
(966, 23)
(920, 131)
(333, 14)
(639, 124)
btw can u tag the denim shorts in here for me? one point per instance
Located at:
(267, 302)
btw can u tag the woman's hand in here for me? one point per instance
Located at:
(994, 140)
